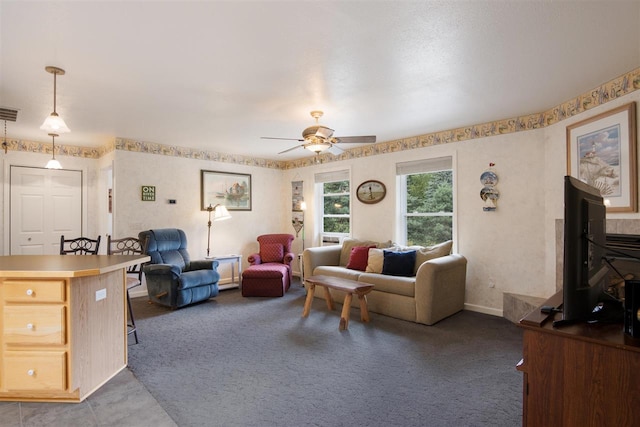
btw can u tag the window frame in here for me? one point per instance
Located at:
(324, 178)
(424, 166)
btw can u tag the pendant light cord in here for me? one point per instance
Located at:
(4, 143)
(55, 74)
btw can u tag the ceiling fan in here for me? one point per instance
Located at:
(318, 138)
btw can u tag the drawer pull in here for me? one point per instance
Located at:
(29, 292)
(30, 326)
(31, 372)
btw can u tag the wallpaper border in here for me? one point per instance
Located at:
(614, 89)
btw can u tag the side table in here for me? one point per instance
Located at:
(236, 262)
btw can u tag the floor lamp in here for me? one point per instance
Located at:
(303, 207)
(220, 213)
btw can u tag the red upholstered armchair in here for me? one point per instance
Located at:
(274, 249)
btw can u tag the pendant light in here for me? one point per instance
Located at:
(53, 163)
(5, 146)
(54, 123)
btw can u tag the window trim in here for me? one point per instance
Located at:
(320, 179)
(413, 167)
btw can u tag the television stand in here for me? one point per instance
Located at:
(581, 374)
(610, 311)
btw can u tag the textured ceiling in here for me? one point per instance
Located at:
(218, 75)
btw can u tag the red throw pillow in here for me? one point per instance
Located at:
(359, 257)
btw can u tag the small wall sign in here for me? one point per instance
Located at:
(148, 193)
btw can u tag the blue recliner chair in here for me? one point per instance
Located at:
(172, 278)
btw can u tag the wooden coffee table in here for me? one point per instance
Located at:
(344, 285)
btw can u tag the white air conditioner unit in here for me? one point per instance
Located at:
(330, 239)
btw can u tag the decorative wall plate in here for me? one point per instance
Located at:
(489, 196)
(371, 192)
(489, 178)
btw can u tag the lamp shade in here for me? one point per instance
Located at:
(53, 164)
(220, 213)
(54, 123)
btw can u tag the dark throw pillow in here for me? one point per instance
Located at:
(399, 263)
(359, 257)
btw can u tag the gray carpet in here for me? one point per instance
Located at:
(235, 361)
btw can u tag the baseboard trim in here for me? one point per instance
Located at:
(138, 293)
(482, 309)
(223, 284)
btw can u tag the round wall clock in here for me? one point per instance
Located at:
(371, 191)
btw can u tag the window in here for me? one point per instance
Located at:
(333, 190)
(426, 201)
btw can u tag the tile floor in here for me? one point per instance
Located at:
(123, 401)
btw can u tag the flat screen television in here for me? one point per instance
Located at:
(585, 265)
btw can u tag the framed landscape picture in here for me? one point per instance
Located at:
(232, 190)
(601, 151)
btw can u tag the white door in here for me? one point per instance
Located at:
(45, 204)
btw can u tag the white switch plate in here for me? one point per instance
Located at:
(101, 294)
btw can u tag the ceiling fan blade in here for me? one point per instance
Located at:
(290, 149)
(370, 139)
(324, 132)
(335, 150)
(287, 139)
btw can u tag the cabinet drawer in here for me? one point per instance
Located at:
(35, 370)
(41, 324)
(33, 290)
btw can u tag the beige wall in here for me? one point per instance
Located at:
(493, 242)
(509, 250)
(179, 179)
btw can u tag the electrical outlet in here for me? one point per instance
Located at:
(101, 294)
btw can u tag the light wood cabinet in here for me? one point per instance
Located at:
(35, 370)
(63, 331)
(22, 325)
(34, 291)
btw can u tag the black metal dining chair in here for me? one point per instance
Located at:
(79, 246)
(129, 246)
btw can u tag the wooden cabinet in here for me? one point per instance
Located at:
(34, 335)
(579, 375)
(22, 325)
(34, 291)
(63, 325)
(35, 370)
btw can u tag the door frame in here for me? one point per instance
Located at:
(29, 163)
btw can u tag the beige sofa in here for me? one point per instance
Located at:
(435, 291)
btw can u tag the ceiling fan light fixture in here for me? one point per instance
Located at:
(54, 123)
(319, 138)
(317, 146)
